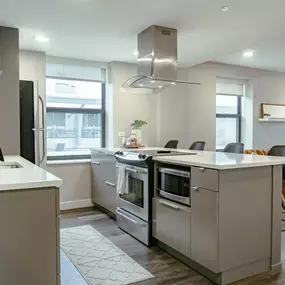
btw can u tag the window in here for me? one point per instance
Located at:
(75, 117)
(228, 112)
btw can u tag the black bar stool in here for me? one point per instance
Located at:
(197, 145)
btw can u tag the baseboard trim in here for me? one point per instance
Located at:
(69, 205)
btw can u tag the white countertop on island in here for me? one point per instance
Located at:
(221, 160)
(27, 177)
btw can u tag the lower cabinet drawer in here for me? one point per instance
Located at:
(172, 225)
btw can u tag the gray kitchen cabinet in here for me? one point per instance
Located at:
(29, 240)
(205, 178)
(204, 227)
(172, 225)
(103, 180)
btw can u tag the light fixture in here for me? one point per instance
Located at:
(140, 85)
(159, 86)
(248, 53)
(135, 53)
(41, 38)
(152, 81)
(172, 83)
(225, 8)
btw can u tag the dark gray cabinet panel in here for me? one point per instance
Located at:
(204, 228)
(172, 225)
(103, 190)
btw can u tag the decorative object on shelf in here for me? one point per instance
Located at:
(137, 130)
(272, 112)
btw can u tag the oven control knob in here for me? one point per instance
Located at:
(120, 153)
(140, 156)
(143, 156)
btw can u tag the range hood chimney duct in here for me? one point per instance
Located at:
(157, 60)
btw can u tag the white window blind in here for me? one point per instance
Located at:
(230, 87)
(75, 70)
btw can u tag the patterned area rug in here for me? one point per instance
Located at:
(98, 259)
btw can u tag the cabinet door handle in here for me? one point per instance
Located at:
(110, 184)
(169, 205)
(195, 188)
(202, 168)
(96, 162)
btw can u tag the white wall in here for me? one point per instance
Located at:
(128, 106)
(9, 91)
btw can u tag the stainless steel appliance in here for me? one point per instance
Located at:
(134, 208)
(157, 60)
(174, 184)
(32, 123)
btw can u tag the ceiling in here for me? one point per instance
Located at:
(106, 30)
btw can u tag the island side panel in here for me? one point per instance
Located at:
(276, 217)
(245, 199)
(28, 239)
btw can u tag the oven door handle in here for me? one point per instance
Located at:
(130, 219)
(135, 170)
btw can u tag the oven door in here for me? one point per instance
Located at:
(136, 201)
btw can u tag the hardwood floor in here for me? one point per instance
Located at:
(166, 269)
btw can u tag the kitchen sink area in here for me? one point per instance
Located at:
(10, 165)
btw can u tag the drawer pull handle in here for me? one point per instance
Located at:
(195, 188)
(95, 162)
(169, 205)
(131, 220)
(202, 168)
(110, 184)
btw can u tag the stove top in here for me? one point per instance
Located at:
(141, 156)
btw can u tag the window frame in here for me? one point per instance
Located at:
(237, 116)
(101, 111)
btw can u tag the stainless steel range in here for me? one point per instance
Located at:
(134, 205)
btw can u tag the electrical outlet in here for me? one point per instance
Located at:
(121, 134)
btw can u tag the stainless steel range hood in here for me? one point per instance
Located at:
(157, 60)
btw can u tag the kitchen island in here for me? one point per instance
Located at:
(232, 229)
(29, 218)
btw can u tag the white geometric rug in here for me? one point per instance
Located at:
(98, 259)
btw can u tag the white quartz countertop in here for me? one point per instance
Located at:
(113, 150)
(208, 159)
(27, 177)
(221, 160)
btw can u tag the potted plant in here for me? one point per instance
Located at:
(136, 129)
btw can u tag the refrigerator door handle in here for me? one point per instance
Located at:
(43, 130)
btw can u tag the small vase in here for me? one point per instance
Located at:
(138, 133)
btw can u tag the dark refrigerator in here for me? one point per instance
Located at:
(32, 123)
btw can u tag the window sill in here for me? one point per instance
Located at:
(68, 161)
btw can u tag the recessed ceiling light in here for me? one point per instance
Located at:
(225, 8)
(248, 53)
(152, 81)
(140, 85)
(41, 38)
(159, 86)
(135, 53)
(172, 83)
